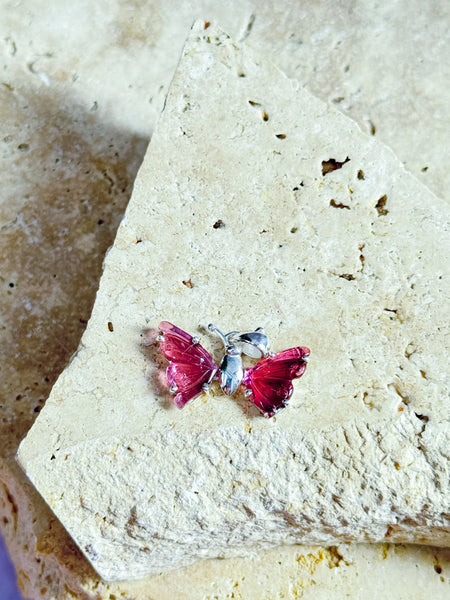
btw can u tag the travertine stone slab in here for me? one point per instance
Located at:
(383, 64)
(307, 572)
(73, 121)
(346, 262)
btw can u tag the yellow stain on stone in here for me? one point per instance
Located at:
(385, 550)
(329, 556)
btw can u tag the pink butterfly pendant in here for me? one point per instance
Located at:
(191, 368)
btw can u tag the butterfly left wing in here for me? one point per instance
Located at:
(191, 367)
(269, 383)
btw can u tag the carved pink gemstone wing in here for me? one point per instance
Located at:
(269, 382)
(191, 366)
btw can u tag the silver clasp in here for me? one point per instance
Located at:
(254, 344)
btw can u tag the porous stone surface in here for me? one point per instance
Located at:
(80, 91)
(382, 64)
(311, 572)
(328, 242)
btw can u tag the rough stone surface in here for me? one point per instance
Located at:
(348, 259)
(74, 120)
(309, 572)
(380, 63)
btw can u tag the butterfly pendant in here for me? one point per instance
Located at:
(268, 384)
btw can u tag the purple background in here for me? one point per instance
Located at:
(8, 583)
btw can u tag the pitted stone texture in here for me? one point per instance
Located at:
(75, 125)
(309, 572)
(363, 286)
(382, 64)
(286, 486)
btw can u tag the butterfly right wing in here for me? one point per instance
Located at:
(269, 383)
(191, 367)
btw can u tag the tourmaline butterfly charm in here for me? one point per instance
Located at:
(268, 384)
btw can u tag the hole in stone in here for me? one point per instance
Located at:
(265, 116)
(332, 165)
(219, 224)
(110, 326)
(423, 418)
(188, 283)
(380, 206)
(281, 136)
(335, 204)
(360, 174)
(361, 256)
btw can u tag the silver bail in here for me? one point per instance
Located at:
(217, 331)
(231, 369)
(254, 343)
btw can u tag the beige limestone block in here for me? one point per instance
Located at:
(81, 88)
(348, 260)
(51, 566)
(383, 64)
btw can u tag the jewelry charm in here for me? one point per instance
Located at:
(191, 368)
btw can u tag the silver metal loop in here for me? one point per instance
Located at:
(253, 343)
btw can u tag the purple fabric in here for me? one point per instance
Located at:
(8, 583)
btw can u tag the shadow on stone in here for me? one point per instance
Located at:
(68, 181)
(157, 364)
